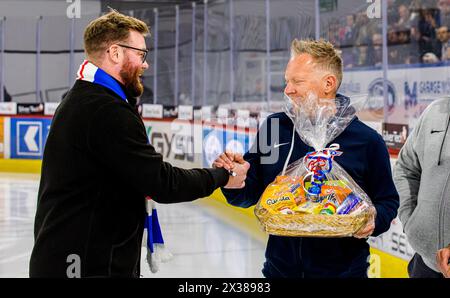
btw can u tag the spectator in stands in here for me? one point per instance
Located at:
(405, 19)
(362, 56)
(375, 52)
(362, 29)
(421, 175)
(407, 50)
(394, 55)
(392, 12)
(347, 33)
(399, 48)
(444, 41)
(347, 41)
(444, 13)
(427, 31)
(333, 32)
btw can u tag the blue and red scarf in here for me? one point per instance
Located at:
(90, 73)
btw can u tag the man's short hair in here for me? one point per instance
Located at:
(108, 29)
(443, 29)
(324, 55)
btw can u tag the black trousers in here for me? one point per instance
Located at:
(418, 269)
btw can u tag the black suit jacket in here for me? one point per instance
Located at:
(97, 169)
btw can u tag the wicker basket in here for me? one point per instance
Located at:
(311, 225)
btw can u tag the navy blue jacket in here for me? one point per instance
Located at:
(366, 160)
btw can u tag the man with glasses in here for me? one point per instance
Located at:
(143, 51)
(443, 37)
(98, 167)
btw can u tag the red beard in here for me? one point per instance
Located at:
(131, 78)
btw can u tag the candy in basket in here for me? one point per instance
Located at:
(315, 196)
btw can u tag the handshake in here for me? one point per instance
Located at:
(235, 164)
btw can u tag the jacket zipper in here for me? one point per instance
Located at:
(444, 191)
(443, 141)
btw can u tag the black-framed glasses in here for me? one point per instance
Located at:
(128, 47)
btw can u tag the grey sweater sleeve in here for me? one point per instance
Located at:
(407, 172)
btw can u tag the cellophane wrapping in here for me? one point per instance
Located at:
(314, 196)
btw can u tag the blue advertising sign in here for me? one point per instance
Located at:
(28, 136)
(217, 140)
(236, 142)
(213, 140)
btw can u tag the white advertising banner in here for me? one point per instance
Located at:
(50, 108)
(8, 108)
(410, 91)
(152, 110)
(176, 141)
(186, 112)
(393, 242)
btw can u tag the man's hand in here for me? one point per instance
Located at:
(365, 231)
(442, 259)
(240, 170)
(227, 160)
(368, 229)
(236, 163)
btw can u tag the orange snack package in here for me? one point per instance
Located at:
(284, 193)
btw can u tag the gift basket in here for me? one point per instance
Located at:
(314, 196)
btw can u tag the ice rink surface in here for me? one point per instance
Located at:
(202, 244)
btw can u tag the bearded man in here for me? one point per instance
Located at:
(98, 166)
